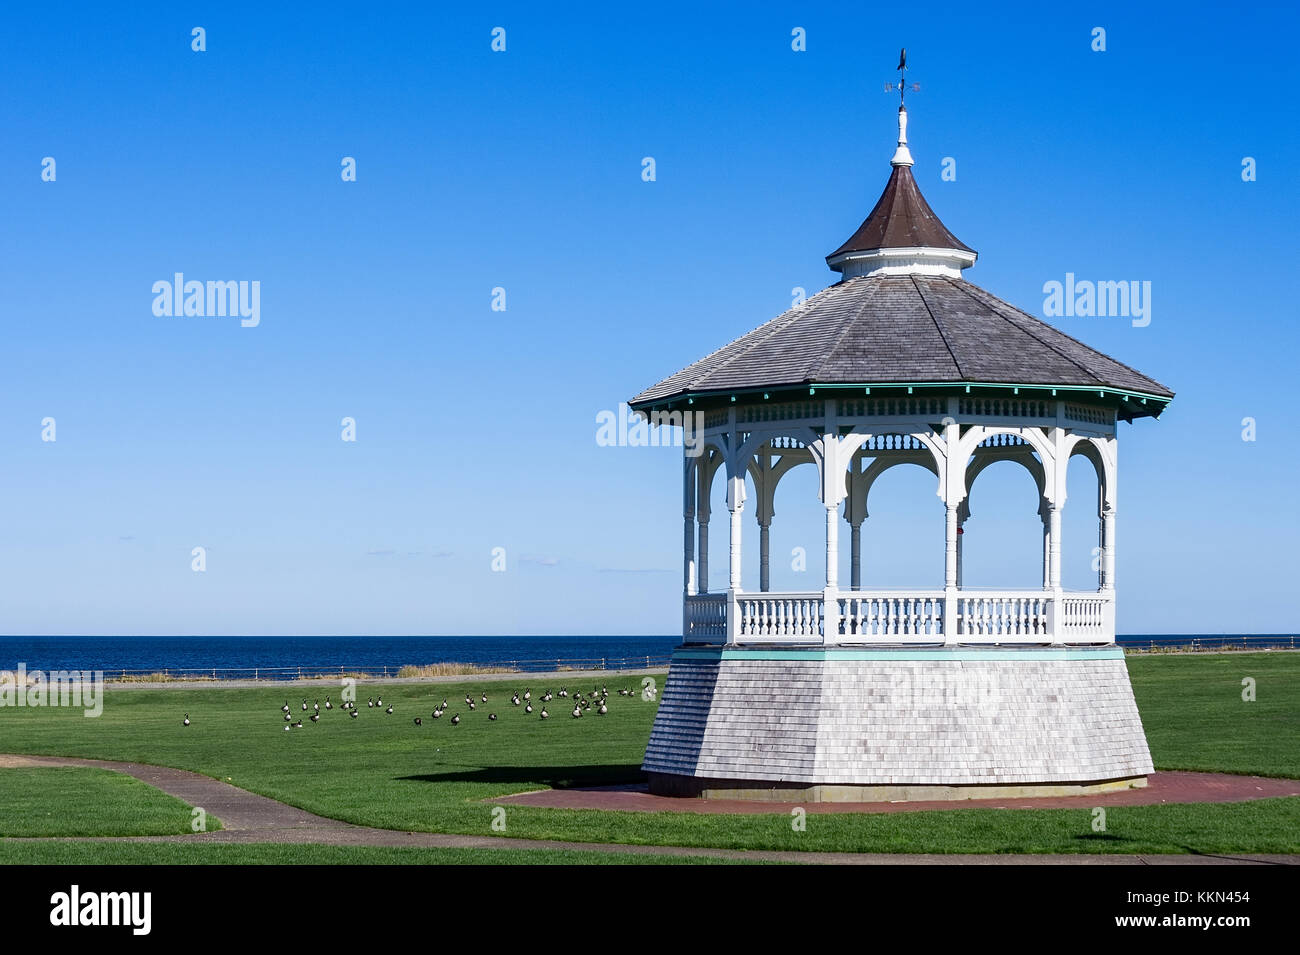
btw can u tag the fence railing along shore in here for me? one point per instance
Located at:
(1157, 644)
(385, 671)
(1137, 644)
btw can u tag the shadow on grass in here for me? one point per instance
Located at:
(1101, 837)
(556, 777)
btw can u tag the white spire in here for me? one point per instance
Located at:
(901, 155)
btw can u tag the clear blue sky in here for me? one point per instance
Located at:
(521, 169)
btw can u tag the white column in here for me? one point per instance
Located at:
(1108, 549)
(950, 550)
(736, 504)
(688, 530)
(705, 472)
(961, 533)
(1054, 554)
(832, 492)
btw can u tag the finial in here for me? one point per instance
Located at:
(902, 157)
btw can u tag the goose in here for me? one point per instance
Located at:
(603, 708)
(528, 708)
(514, 700)
(563, 692)
(287, 727)
(389, 711)
(546, 697)
(471, 704)
(577, 711)
(468, 699)
(304, 706)
(418, 722)
(484, 697)
(545, 715)
(328, 704)
(455, 719)
(492, 716)
(316, 705)
(298, 725)
(287, 717)
(437, 714)
(186, 721)
(353, 714)
(285, 708)
(528, 694)
(315, 717)
(444, 704)
(379, 702)
(370, 703)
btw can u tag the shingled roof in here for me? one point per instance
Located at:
(901, 329)
(901, 219)
(903, 316)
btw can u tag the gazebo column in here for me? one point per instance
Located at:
(1054, 549)
(832, 492)
(704, 470)
(1047, 550)
(736, 504)
(952, 489)
(855, 558)
(764, 570)
(688, 529)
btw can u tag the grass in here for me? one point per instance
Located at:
(448, 669)
(265, 853)
(383, 771)
(82, 801)
(158, 678)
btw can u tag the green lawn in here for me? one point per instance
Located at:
(383, 771)
(80, 801)
(262, 853)
(1195, 718)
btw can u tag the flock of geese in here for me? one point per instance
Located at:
(582, 703)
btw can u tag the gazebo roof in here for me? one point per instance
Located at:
(901, 219)
(905, 330)
(903, 317)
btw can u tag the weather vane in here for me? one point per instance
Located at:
(901, 85)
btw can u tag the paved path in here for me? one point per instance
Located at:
(1166, 787)
(249, 818)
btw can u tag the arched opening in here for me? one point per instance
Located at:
(797, 535)
(1002, 535)
(902, 541)
(1081, 554)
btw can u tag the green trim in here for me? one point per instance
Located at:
(942, 654)
(1013, 387)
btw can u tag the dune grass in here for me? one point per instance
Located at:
(83, 801)
(383, 771)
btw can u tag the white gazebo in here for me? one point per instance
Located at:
(849, 691)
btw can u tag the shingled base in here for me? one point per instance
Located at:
(898, 723)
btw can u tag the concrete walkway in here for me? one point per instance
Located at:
(249, 818)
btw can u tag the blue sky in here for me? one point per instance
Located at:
(522, 170)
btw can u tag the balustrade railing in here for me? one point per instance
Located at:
(1004, 617)
(902, 616)
(780, 618)
(705, 619)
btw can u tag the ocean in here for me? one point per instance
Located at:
(286, 657)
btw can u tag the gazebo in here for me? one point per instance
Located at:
(856, 693)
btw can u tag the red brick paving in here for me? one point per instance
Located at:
(1169, 787)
